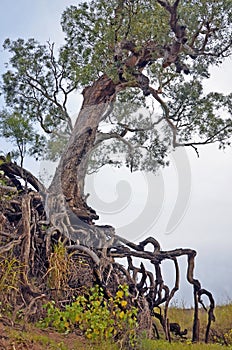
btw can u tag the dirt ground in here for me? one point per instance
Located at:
(18, 337)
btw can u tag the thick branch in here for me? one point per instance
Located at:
(12, 170)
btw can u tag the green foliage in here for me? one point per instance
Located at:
(34, 338)
(30, 338)
(200, 117)
(47, 339)
(148, 344)
(36, 83)
(39, 81)
(3, 180)
(216, 14)
(6, 195)
(21, 133)
(93, 28)
(98, 318)
(36, 90)
(7, 158)
(228, 337)
(56, 145)
(145, 149)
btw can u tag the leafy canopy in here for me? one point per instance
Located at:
(160, 50)
(93, 29)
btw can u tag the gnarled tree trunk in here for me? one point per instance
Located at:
(70, 175)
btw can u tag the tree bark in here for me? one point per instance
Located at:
(70, 175)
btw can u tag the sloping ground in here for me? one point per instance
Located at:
(14, 338)
(29, 337)
(35, 339)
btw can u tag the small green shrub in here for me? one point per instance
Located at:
(228, 337)
(98, 318)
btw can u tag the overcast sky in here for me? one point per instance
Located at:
(200, 186)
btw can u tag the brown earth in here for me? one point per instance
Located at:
(18, 338)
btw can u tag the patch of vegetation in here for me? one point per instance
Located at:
(98, 318)
(148, 344)
(221, 330)
(44, 341)
(10, 270)
(37, 339)
(59, 267)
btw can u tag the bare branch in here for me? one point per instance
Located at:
(197, 33)
(166, 114)
(211, 139)
(150, 127)
(12, 169)
(104, 136)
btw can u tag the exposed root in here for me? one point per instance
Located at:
(91, 255)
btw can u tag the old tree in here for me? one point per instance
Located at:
(124, 55)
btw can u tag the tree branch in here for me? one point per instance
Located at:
(166, 114)
(104, 136)
(128, 128)
(12, 169)
(205, 142)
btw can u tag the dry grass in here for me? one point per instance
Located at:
(222, 325)
(10, 271)
(36, 339)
